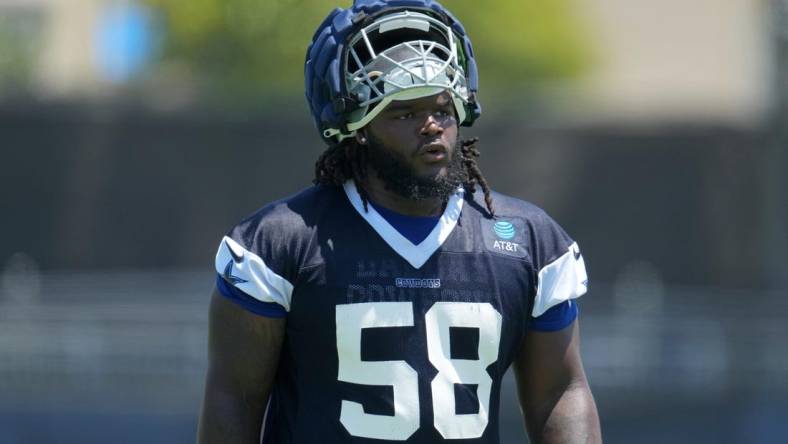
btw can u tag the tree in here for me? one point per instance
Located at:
(251, 47)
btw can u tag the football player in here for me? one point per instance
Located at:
(386, 302)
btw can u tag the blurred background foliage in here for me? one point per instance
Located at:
(243, 47)
(20, 39)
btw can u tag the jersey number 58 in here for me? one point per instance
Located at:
(399, 375)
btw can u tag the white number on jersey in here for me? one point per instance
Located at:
(440, 318)
(397, 374)
(352, 318)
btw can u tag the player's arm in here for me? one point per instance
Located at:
(553, 390)
(243, 355)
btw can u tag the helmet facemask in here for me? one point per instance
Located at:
(401, 56)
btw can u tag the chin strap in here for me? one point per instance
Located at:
(333, 132)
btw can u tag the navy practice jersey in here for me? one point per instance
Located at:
(386, 340)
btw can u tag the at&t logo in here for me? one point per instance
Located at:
(505, 231)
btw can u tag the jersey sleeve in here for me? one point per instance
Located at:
(557, 317)
(250, 274)
(561, 276)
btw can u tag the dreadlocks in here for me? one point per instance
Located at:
(348, 160)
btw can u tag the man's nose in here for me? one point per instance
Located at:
(431, 126)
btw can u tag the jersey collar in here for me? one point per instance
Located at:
(416, 255)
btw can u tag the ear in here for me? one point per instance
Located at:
(361, 137)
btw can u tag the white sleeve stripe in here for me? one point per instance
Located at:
(249, 273)
(562, 280)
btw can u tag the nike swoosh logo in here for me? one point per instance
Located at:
(237, 258)
(228, 274)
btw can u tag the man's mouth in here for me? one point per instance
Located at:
(434, 152)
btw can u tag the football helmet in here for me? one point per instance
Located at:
(377, 51)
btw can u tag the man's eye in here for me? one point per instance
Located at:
(405, 116)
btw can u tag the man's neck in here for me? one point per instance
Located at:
(377, 191)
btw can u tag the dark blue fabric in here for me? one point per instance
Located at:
(414, 228)
(338, 264)
(556, 318)
(268, 309)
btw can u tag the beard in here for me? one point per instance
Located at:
(399, 177)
